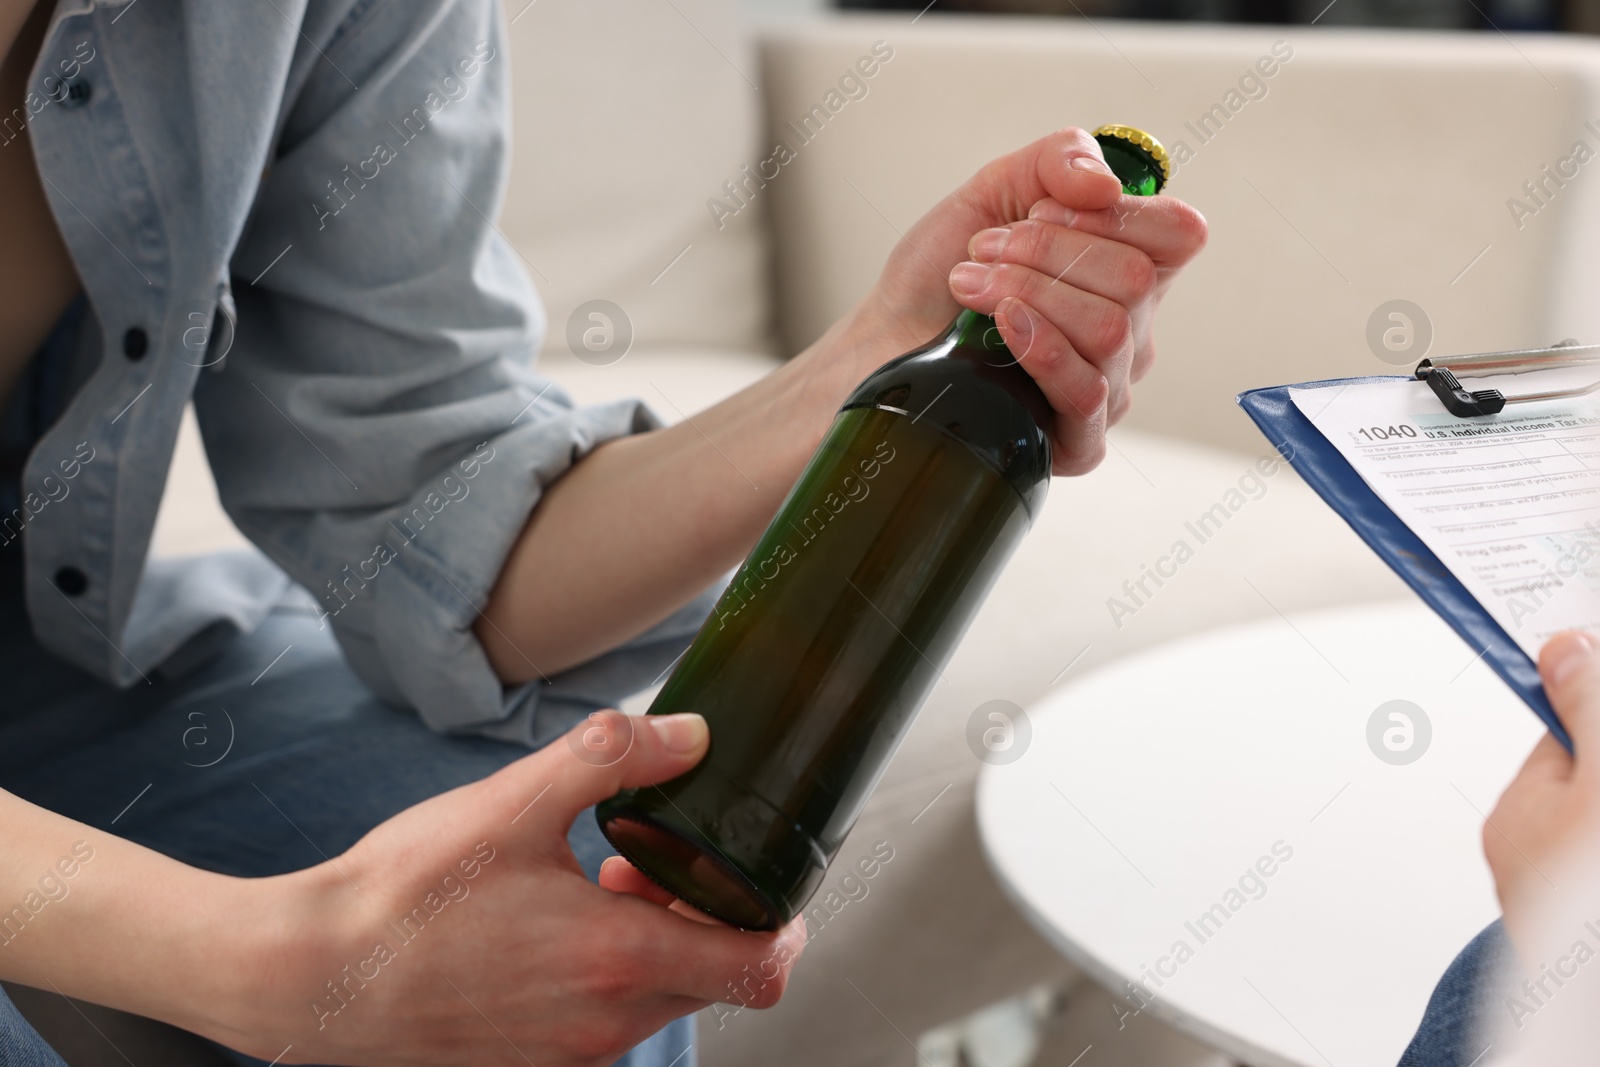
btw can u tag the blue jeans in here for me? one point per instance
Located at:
(1450, 1032)
(253, 765)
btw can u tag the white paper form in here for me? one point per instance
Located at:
(1509, 502)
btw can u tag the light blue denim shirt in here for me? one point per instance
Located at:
(281, 210)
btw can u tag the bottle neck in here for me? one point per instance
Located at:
(972, 329)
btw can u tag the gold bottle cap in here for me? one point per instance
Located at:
(1139, 139)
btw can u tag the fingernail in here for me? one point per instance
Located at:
(684, 732)
(1089, 163)
(1568, 653)
(986, 245)
(1052, 211)
(970, 279)
(1018, 323)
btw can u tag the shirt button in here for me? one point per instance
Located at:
(135, 343)
(77, 95)
(71, 581)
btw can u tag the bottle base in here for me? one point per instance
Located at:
(754, 870)
(692, 873)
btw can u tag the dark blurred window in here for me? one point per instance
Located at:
(1579, 15)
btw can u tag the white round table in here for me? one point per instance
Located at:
(1153, 787)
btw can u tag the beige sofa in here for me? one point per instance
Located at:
(1368, 167)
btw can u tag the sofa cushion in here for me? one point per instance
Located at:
(627, 119)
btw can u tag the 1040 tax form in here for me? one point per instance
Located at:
(1510, 503)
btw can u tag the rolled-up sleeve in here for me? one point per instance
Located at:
(376, 427)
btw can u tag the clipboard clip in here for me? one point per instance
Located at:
(1444, 376)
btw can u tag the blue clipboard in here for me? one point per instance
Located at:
(1330, 474)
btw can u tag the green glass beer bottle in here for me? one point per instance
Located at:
(838, 624)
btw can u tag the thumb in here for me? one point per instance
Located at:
(606, 752)
(1569, 663)
(1067, 166)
